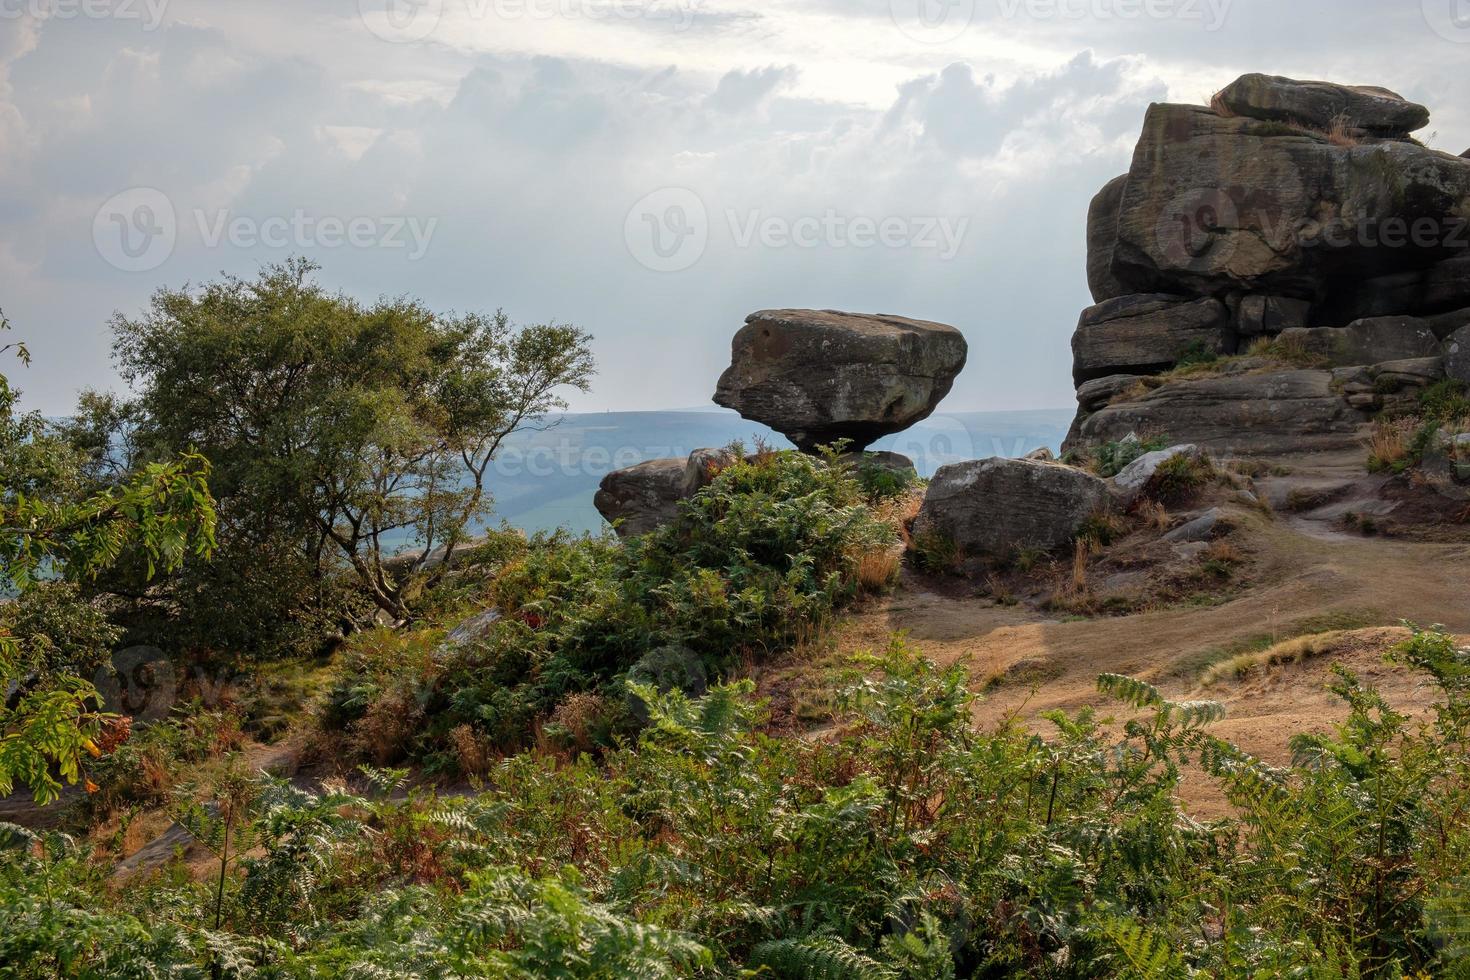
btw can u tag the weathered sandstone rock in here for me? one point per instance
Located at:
(1142, 334)
(1270, 315)
(1358, 109)
(993, 507)
(642, 498)
(1102, 233)
(1133, 479)
(818, 376)
(1371, 341)
(1457, 355)
(1242, 415)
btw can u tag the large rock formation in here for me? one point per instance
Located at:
(993, 507)
(818, 376)
(1295, 212)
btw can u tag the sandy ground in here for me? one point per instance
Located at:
(1027, 662)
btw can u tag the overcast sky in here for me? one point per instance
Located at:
(652, 170)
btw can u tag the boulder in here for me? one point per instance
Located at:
(1143, 334)
(1217, 204)
(818, 376)
(1240, 415)
(642, 498)
(1457, 355)
(1388, 338)
(1270, 315)
(470, 630)
(897, 464)
(992, 507)
(1364, 110)
(1133, 479)
(1102, 233)
(1199, 529)
(1094, 394)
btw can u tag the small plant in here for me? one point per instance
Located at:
(1112, 457)
(1179, 478)
(935, 552)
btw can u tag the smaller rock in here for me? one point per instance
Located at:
(666, 669)
(1363, 109)
(1093, 395)
(1445, 324)
(1462, 445)
(1102, 237)
(1134, 478)
(472, 629)
(1269, 315)
(1042, 455)
(1199, 529)
(1190, 550)
(994, 507)
(642, 498)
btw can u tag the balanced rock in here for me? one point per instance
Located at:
(1358, 109)
(1142, 334)
(642, 498)
(995, 506)
(1093, 395)
(818, 376)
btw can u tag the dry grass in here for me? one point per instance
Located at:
(1292, 651)
(1342, 131)
(878, 570)
(1390, 441)
(472, 752)
(1081, 555)
(1154, 515)
(577, 720)
(1225, 551)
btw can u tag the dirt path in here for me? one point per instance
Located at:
(1027, 662)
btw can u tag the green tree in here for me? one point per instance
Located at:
(350, 435)
(50, 527)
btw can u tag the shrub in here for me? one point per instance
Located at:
(906, 844)
(756, 562)
(1112, 457)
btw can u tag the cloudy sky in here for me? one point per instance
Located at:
(652, 170)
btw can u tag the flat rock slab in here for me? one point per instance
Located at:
(1247, 415)
(1360, 109)
(642, 498)
(1370, 341)
(1145, 333)
(818, 376)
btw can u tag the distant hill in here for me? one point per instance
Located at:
(546, 479)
